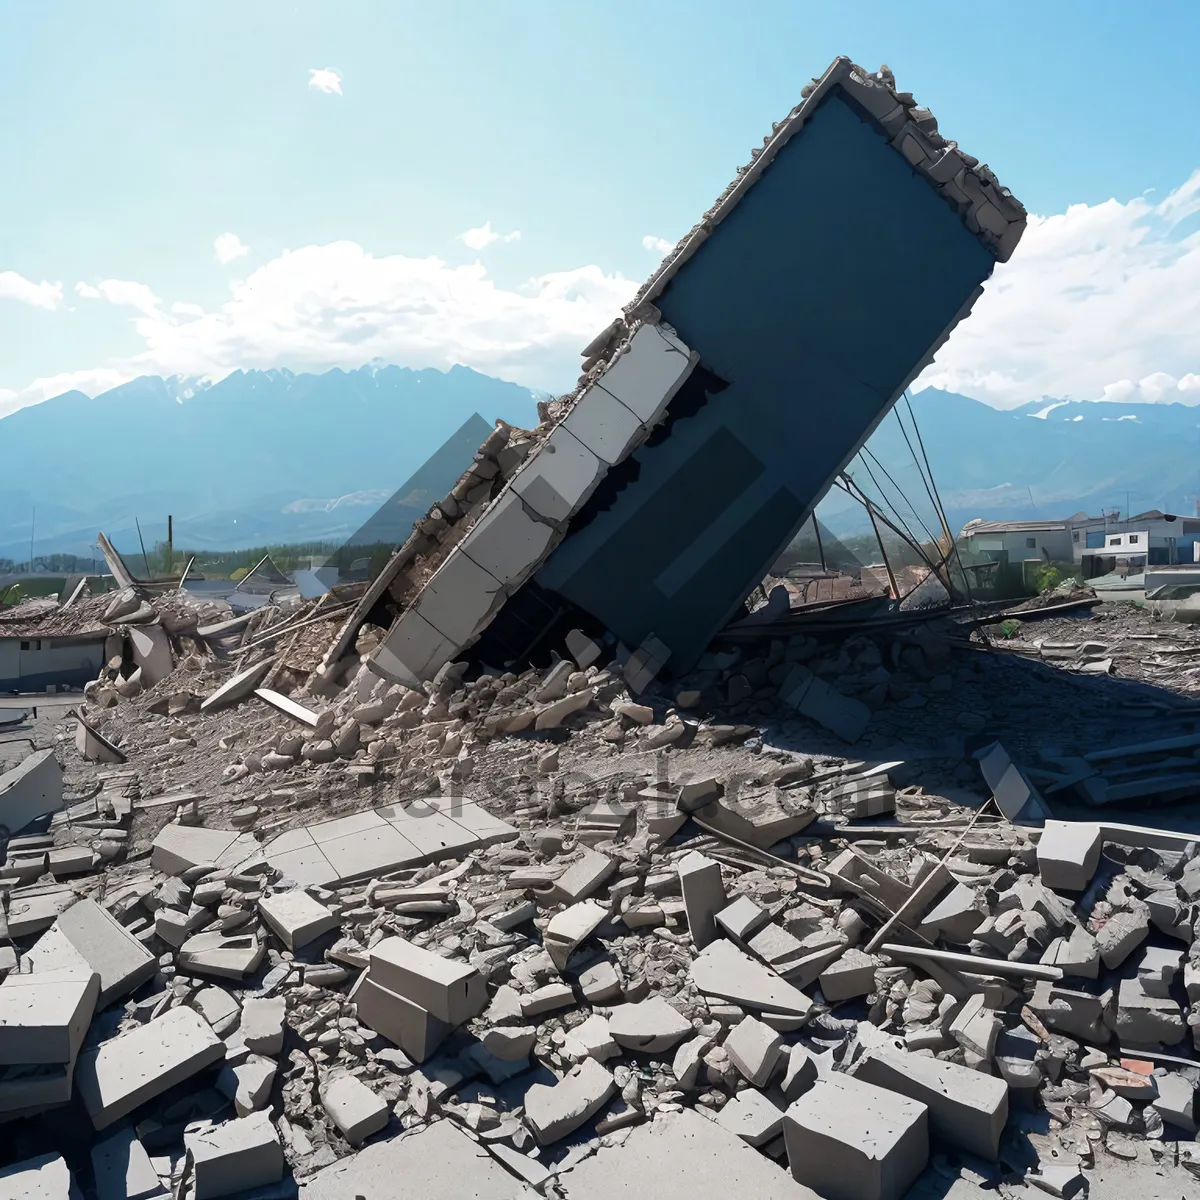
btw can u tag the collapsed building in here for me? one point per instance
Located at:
(291, 914)
(714, 415)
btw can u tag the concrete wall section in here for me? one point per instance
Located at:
(816, 299)
(35, 664)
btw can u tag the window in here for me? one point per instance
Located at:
(1031, 543)
(24, 645)
(1133, 539)
(1075, 535)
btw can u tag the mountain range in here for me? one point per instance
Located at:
(272, 456)
(259, 457)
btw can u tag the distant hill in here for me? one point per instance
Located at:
(271, 456)
(1046, 459)
(260, 457)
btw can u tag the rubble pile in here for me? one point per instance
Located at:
(285, 937)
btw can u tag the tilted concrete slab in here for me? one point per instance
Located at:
(32, 789)
(123, 1170)
(377, 841)
(178, 848)
(238, 687)
(680, 1156)
(89, 932)
(439, 1160)
(126, 1071)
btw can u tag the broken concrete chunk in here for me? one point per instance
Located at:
(591, 1039)
(849, 1140)
(742, 919)
(724, 971)
(1122, 933)
(235, 1156)
(1068, 853)
(555, 1111)
(30, 790)
(751, 1116)
(648, 1026)
(296, 917)
(46, 1177)
(582, 649)
(967, 1108)
(580, 879)
(1176, 1101)
(754, 1048)
(178, 848)
(703, 896)
(126, 1071)
(262, 1024)
(122, 1169)
(228, 956)
(248, 1084)
(92, 934)
(238, 686)
(645, 663)
(848, 977)
(1145, 1019)
(570, 928)
(356, 1110)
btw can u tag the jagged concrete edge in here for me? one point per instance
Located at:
(121, 574)
(562, 526)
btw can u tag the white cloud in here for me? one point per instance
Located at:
(339, 306)
(660, 246)
(1099, 302)
(40, 295)
(325, 79)
(123, 293)
(229, 246)
(485, 235)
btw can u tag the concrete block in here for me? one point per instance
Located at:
(296, 917)
(966, 1108)
(848, 977)
(1176, 1101)
(1077, 1014)
(581, 648)
(45, 1017)
(646, 376)
(645, 663)
(648, 1026)
(459, 598)
(724, 971)
(237, 687)
(218, 1008)
(178, 848)
(248, 1084)
(235, 1156)
(1147, 1020)
(752, 1117)
(1121, 935)
(453, 991)
(557, 479)
(438, 1161)
(555, 1111)
(754, 1048)
(126, 1071)
(413, 650)
(591, 1038)
(512, 1043)
(262, 1024)
(30, 790)
(69, 860)
(742, 919)
(46, 1177)
(604, 425)
(976, 1027)
(1068, 854)
(570, 928)
(581, 878)
(1157, 969)
(508, 542)
(123, 1170)
(88, 932)
(227, 956)
(356, 1110)
(955, 916)
(841, 715)
(1078, 954)
(680, 1156)
(414, 1029)
(849, 1140)
(703, 896)
(800, 1072)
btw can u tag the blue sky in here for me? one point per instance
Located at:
(138, 134)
